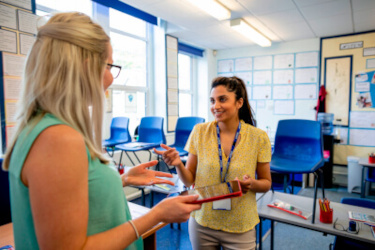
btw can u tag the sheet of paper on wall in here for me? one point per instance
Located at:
(13, 64)
(362, 137)
(27, 22)
(8, 17)
(364, 100)
(243, 64)
(247, 77)
(172, 56)
(283, 61)
(362, 119)
(173, 109)
(26, 42)
(26, 4)
(284, 108)
(262, 62)
(283, 76)
(10, 111)
(308, 75)
(249, 91)
(172, 83)
(261, 92)
(370, 63)
(12, 88)
(262, 77)
(283, 92)
(8, 41)
(253, 105)
(172, 96)
(309, 59)
(342, 135)
(228, 74)
(261, 104)
(225, 66)
(9, 130)
(172, 70)
(305, 91)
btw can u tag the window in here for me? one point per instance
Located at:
(129, 38)
(185, 85)
(48, 6)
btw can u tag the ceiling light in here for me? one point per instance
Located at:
(212, 7)
(246, 30)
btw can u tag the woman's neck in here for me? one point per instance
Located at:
(229, 126)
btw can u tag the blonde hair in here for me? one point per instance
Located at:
(63, 76)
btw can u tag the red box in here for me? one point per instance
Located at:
(371, 159)
(326, 217)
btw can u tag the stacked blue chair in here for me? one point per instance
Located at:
(345, 243)
(184, 127)
(151, 134)
(370, 177)
(119, 134)
(298, 150)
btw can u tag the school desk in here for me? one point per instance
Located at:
(340, 211)
(149, 237)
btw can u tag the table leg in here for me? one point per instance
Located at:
(363, 183)
(272, 229)
(143, 197)
(152, 198)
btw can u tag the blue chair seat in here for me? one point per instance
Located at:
(113, 142)
(136, 146)
(287, 166)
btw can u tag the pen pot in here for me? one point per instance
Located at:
(371, 159)
(326, 217)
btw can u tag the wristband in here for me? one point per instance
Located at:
(135, 229)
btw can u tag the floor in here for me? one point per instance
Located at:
(172, 238)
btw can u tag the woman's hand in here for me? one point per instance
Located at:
(246, 183)
(141, 176)
(176, 209)
(170, 156)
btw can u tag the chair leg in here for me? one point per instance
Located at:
(129, 158)
(285, 182)
(321, 175)
(315, 193)
(292, 183)
(137, 157)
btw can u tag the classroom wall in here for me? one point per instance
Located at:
(304, 109)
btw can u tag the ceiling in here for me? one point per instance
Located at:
(279, 20)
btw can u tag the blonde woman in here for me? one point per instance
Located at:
(64, 194)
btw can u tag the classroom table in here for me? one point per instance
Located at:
(149, 237)
(365, 164)
(340, 211)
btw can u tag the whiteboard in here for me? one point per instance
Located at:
(337, 84)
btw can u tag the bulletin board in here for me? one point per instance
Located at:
(171, 44)
(357, 132)
(18, 24)
(279, 86)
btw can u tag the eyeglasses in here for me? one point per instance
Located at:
(340, 227)
(115, 70)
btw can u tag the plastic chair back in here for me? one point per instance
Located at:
(120, 129)
(360, 202)
(299, 140)
(184, 127)
(5, 215)
(151, 130)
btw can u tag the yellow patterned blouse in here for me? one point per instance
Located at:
(254, 146)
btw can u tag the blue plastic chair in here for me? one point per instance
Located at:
(5, 215)
(119, 134)
(184, 127)
(151, 134)
(370, 177)
(344, 243)
(298, 150)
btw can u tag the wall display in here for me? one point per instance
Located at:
(249, 92)
(8, 17)
(353, 45)
(8, 41)
(27, 22)
(307, 75)
(13, 65)
(369, 51)
(359, 119)
(247, 77)
(243, 64)
(283, 76)
(365, 84)
(282, 92)
(225, 66)
(283, 61)
(26, 4)
(305, 91)
(284, 108)
(12, 88)
(262, 92)
(262, 62)
(362, 137)
(26, 42)
(370, 63)
(309, 59)
(262, 77)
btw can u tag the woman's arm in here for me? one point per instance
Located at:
(171, 157)
(56, 173)
(262, 183)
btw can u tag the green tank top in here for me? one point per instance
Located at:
(108, 207)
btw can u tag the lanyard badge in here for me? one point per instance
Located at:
(231, 151)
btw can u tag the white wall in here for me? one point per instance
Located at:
(304, 109)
